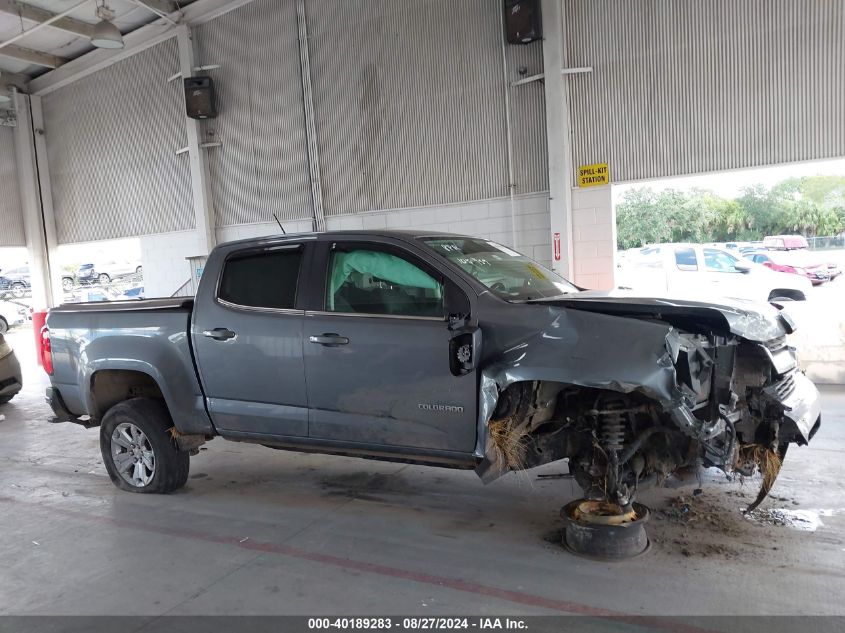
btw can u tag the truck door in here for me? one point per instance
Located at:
(377, 355)
(725, 279)
(247, 334)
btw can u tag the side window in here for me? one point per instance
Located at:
(266, 279)
(718, 261)
(685, 259)
(374, 282)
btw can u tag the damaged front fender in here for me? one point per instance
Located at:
(589, 350)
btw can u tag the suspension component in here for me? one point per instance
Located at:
(613, 430)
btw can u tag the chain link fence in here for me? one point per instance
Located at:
(826, 243)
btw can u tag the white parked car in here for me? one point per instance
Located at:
(105, 272)
(695, 270)
(11, 314)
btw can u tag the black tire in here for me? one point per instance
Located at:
(67, 283)
(139, 270)
(103, 279)
(152, 418)
(5, 399)
(4, 326)
(18, 290)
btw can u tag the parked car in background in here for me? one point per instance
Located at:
(785, 242)
(106, 272)
(136, 292)
(90, 295)
(15, 282)
(11, 380)
(695, 270)
(11, 313)
(797, 243)
(792, 262)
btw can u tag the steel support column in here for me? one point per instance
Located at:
(310, 126)
(45, 294)
(558, 136)
(206, 223)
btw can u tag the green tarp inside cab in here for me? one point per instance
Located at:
(383, 266)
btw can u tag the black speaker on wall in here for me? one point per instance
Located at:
(199, 98)
(523, 21)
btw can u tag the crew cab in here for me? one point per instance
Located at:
(437, 349)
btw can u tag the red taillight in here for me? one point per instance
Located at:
(46, 351)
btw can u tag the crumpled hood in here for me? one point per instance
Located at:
(752, 320)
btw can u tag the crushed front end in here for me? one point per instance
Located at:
(660, 394)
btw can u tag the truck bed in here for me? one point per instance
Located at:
(104, 343)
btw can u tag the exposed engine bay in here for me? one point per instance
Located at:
(734, 404)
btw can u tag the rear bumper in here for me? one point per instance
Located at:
(57, 404)
(54, 399)
(11, 381)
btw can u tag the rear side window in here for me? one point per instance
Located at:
(685, 259)
(262, 280)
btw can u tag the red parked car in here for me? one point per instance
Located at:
(797, 263)
(796, 243)
(785, 242)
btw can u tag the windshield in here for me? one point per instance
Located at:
(505, 272)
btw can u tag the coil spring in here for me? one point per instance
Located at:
(613, 431)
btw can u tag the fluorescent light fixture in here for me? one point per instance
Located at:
(106, 34)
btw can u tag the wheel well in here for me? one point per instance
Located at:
(111, 386)
(795, 295)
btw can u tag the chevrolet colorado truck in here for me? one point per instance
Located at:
(436, 349)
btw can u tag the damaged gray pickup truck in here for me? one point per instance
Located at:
(436, 349)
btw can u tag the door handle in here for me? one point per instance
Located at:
(329, 340)
(219, 334)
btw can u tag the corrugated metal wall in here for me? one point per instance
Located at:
(111, 142)
(408, 101)
(683, 86)
(528, 119)
(262, 166)
(11, 218)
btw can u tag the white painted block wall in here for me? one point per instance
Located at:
(163, 257)
(594, 238)
(166, 268)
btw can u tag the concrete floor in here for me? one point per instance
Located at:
(258, 531)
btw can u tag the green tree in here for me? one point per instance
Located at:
(811, 206)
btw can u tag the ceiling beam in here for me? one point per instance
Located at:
(198, 12)
(159, 7)
(32, 57)
(39, 15)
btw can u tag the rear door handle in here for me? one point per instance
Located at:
(329, 340)
(219, 334)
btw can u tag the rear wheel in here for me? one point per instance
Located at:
(4, 325)
(103, 278)
(18, 290)
(138, 450)
(67, 283)
(5, 399)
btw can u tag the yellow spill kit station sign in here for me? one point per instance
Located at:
(593, 175)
